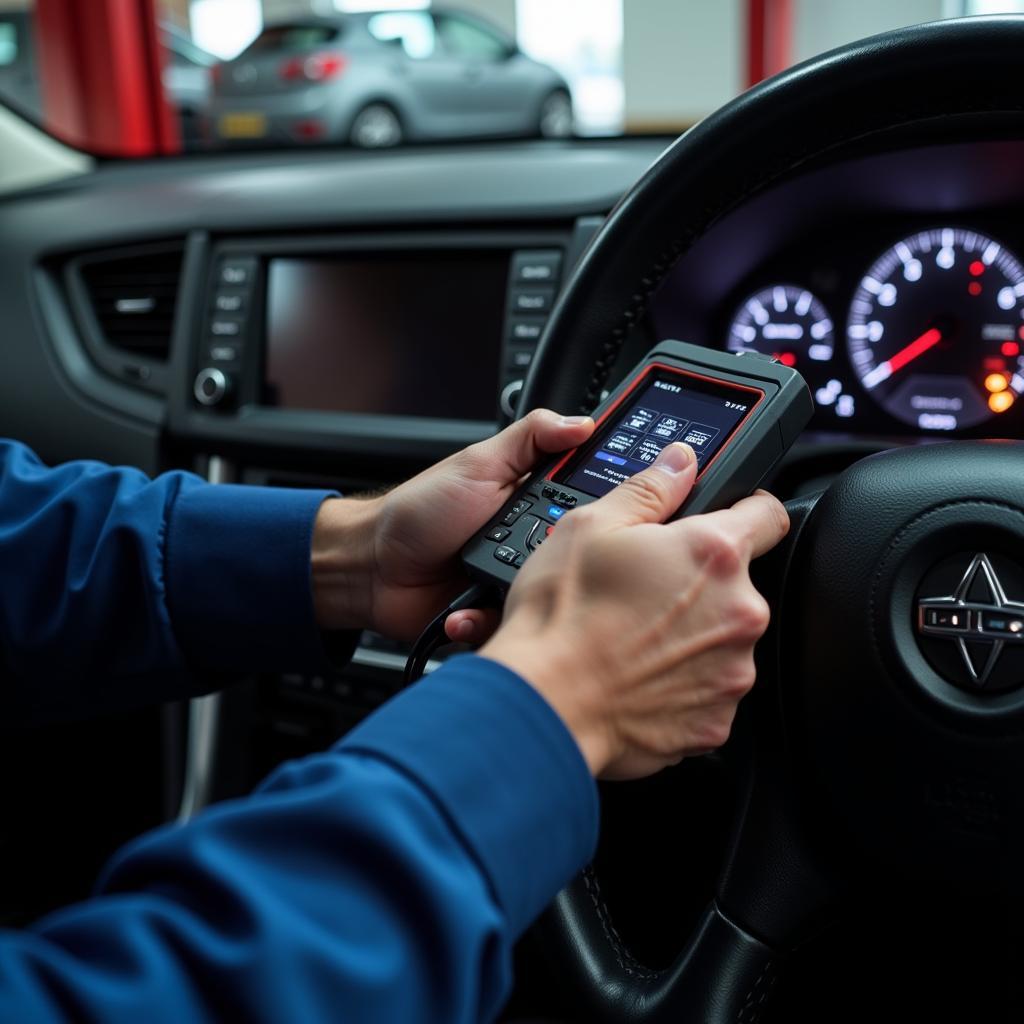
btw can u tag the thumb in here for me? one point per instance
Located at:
(517, 449)
(653, 495)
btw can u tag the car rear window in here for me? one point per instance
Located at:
(293, 37)
(8, 44)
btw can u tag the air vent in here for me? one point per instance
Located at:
(133, 300)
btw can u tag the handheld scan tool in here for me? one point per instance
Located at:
(738, 411)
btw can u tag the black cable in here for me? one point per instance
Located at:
(434, 637)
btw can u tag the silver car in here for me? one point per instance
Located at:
(379, 78)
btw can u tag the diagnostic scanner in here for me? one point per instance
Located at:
(738, 411)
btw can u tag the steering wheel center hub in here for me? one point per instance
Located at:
(904, 604)
(968, 629)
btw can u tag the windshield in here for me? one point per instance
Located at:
(216, 75)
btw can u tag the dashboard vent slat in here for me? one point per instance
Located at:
(133, 299)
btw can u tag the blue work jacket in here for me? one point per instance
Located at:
(384, 880)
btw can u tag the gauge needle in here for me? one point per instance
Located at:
(918, 347)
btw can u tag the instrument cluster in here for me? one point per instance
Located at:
(919, 334)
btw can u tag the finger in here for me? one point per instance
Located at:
(759, 521)
(653, 495)
(472, 625)
(518, 448)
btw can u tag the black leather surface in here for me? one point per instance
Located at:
(775, 880)
(893, 84)
(918, 775)
(725, 974)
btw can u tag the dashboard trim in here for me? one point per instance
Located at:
(344, 434)
(204, 713)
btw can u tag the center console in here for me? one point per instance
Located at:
(440, 329)
(347, 361)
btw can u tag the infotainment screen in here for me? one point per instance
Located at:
(399, 334)
(667, 405)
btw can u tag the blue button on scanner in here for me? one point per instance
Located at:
(555, 512)
(608, 457)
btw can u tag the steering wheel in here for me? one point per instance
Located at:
(892, 545)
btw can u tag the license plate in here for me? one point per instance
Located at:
(243, 126)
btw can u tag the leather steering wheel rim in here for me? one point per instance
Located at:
(893, 86)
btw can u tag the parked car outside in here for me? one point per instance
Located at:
(380, 78)
(186, 77)
(19, 83)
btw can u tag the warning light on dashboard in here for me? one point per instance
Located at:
(974, 288)
(996, 382)
(1000, 401)
(1010, 349)
(977, 268)
(786, 358)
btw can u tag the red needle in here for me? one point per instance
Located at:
(918, 347)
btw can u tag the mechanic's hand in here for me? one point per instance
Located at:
(391, 563)
(641, 635)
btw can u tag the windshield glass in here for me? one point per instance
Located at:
(170, 76)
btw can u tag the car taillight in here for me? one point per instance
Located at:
(317, 67)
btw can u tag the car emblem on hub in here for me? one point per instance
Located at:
(981, 629)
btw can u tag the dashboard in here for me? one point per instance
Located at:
(367, 315)
(345, 320)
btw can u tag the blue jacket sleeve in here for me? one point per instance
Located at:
(117, 590)
(383, 881)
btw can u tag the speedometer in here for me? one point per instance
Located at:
(935, 329)
(784, 321)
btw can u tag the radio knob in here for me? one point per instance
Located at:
(510, 398)
(212, 386)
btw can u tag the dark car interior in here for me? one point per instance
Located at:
(341, 318)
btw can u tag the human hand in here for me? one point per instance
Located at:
(391, 563)
(641, 634)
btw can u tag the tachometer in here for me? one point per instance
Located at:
(784, 321)
(935, 329)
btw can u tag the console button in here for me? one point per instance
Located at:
(541, 267)
(526, 329)
(506, 554)
(517, 509)
(223, 327)
(532, 300)
(237, 272)
(224, 353)
(497, 534)
(518, 563)
(518, 358)
(229, 301)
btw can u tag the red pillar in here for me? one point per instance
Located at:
(769, 38)
(100, 66)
